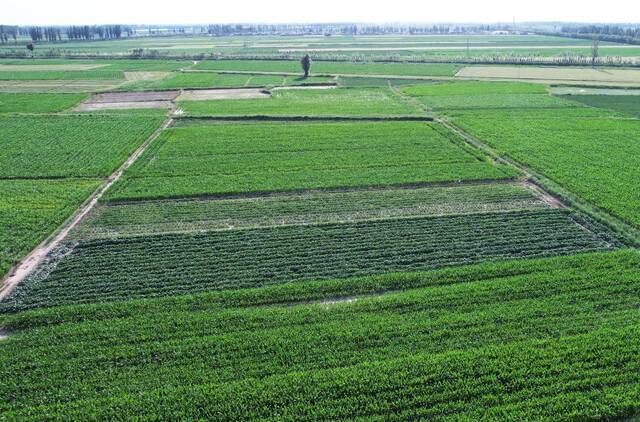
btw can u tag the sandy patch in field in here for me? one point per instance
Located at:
(145, 76)
(118, 97)
(551, 73)
(45, 67)
(124, 105)
(222, 94)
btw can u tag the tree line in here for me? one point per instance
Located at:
(628, 34)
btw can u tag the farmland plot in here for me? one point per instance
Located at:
(629, 104)
(38, 103)
(592, 152)
(557, 74)
(449, 343)
(223, 158)
(473, 95)
(179, 216)
(138, 267)
(335, 102)
(334, 68)
(31, 209)
(220, 80)
(69, 145)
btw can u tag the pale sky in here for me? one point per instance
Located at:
(60, 12)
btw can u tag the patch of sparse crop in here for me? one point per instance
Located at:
(31, 209)
(148, 217)
(534, 339)
(222, 158)
(333, 102)
(38, 103)
(138, 267)
(369, 82)
(592, 153)
(69, 145)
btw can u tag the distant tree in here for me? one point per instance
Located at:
(306, 65)
(30, 48)
(595, 46)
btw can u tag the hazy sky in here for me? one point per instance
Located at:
(42, 12)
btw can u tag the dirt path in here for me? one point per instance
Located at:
(29, 263)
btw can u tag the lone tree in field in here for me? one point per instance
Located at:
(306, 65)
(595, 46)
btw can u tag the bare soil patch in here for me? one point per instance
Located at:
(222, 94)
(145, 76)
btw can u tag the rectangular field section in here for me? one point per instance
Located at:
(69, 145)
(593, 153)
(223, 158)
(331, 102)
(138, 267)
(31, 209)
(138, 218)
(474, 95)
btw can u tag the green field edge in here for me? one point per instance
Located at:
(298, 292)
(619, 226)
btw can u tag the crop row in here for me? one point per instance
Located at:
(69, 145)
(231, 158)
(148, 217)
(595, 158)
(548, 338)
(120, 269)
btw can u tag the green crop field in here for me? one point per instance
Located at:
(69, 145)
(31, 209)
(629, 104)
(118, 269)
(61, 75)
(38, 103)
(549, 338)
(171, 216)
(473, 95)
(224, 158)
(440, 222)
(332, 68)
(593, 156)
(330, 102)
